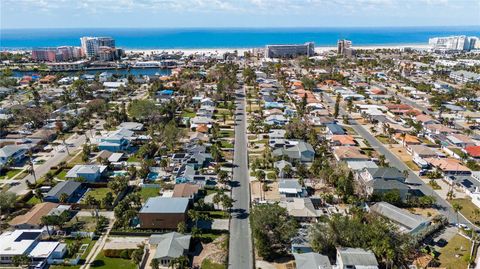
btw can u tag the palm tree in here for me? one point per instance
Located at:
(155, 264)
(457, 207)
(47, 220)
(63, 198)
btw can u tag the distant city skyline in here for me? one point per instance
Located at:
(236, 13)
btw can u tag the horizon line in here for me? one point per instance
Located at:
(242, 27)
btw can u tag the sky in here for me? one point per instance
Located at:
(236, 13)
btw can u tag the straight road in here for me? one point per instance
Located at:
(241, 251)
(413, 179)
(21, 188)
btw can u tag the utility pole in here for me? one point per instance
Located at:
(32, 169)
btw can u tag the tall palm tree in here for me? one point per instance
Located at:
(457, 207)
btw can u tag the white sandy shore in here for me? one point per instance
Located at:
(242, 50)
(207, 51)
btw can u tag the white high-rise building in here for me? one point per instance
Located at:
(454, 43)
(91, 45)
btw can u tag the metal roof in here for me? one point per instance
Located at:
(165, 205)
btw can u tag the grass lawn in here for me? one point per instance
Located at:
(90, 243)
(210, 191)
(133, 159)
(458, 245)
(187, 114)
(87, 224)
(468, 209)
(75, 160)
(33, 201)
(104, 262)
(385, 139)
(146, 193)
(11, 173)
(227, 134)
(218, 214)
(226, 144)
(412, 165)
(98, 193)
(208, 264)
(62, 174)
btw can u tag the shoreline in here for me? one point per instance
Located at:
(319, 49)
(214, 51)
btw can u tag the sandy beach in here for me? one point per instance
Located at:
(242, 50)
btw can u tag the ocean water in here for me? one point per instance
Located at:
(191, 38)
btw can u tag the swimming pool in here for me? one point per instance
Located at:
(152, 176)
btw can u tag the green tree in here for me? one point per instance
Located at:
(457, 208)
(336, 109)
(272, 229)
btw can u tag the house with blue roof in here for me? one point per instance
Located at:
(115, 141)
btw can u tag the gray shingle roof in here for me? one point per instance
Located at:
(172, 245)
(312, 260)
(68, 187)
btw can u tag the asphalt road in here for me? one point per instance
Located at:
(40, 170)
(240, 252)
(413, 179)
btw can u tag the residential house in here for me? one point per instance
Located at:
(16, 153)
(378, 181)
(348, 258)
(303, 209)
(276, 120)
(342, 140)
(169, 246)
(357, 166)
(163, 212)
(348, 153)
(72, 189)
(132, 126)
(17, 243)
(449, 166)
(33, 218)
(118, 140)
(438, 129)
(460, 140)
(297, 150)
(473, 151)
(425, 119)
(311, 260)
(421, 151)
(88, 172)
(334, 129)
(406, 139)
(406, 221)
(291, 188)
(186, 190)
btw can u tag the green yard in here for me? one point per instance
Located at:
(133, 159)
(385, 139)
(469, 210)
(33, 201)
(104, 262)
(208, 264)
(62, 174)
(226, 144)
(188, 114)
(146, 193)
(11, 173)
(456, 253)
(225, 133)
(98, 193)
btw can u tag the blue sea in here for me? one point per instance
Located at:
(191, 38)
